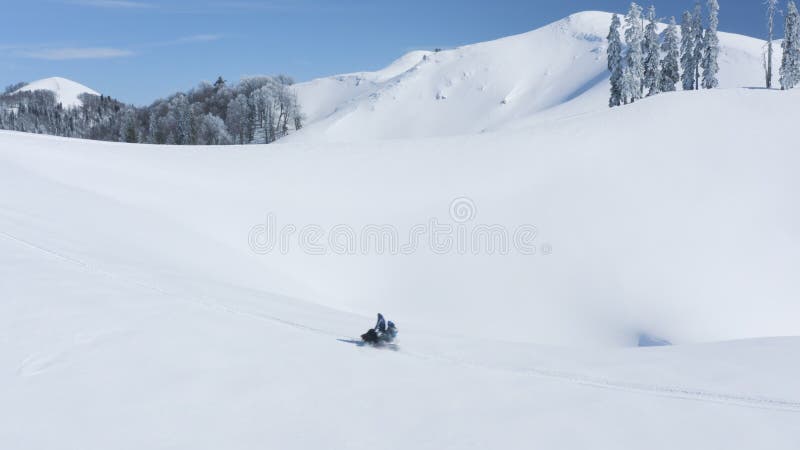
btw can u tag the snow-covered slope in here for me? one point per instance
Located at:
(67, 91)
(134, 313)
(553, 72)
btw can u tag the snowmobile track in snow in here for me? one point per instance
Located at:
(674, 392)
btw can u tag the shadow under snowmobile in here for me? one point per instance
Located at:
(380, 345)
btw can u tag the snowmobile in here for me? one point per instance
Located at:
(382, 333)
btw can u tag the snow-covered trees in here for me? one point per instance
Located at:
(211, 130)
(180, 121)
(634, 61)
(790, 64)
(40, 112)
(692, 46)
(653, 63)
(615, 65)
(699, 48)
(710, 63)
(257, 110)
(237, 119)
(670, 70)
(638, 72)
(128, 129)
(687, 51)
(152, 127)
(699, 41)
(651, 54)
(772, 6)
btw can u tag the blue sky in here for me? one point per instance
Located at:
(139, 50)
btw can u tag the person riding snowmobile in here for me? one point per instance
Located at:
(381, 333)
(390, 333)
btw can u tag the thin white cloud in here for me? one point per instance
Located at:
(118, 4)
(65, 54)
(62, 52)
(199, 38)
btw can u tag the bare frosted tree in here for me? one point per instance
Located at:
(237, 118)
(772, 6)
(211, 130)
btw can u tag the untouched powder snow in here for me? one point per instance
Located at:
(556, 71)
(67, 91)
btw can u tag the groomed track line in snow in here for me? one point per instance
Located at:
(674, 392)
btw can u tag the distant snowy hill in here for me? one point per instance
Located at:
(67, 91)
(550, 73)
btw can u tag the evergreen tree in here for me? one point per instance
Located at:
(790, 65)
(615, 62)
(670, 70)
(699, 42)
(219, 84)
(634, 61)
(651, 54)
(628, 89)
(687, 51)
(772, 6)
(711, 56)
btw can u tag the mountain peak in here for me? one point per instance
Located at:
(67, 91)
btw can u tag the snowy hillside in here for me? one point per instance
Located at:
(67, 91)
(136, 314)
(553, 72)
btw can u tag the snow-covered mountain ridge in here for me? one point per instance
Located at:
(555, 71)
